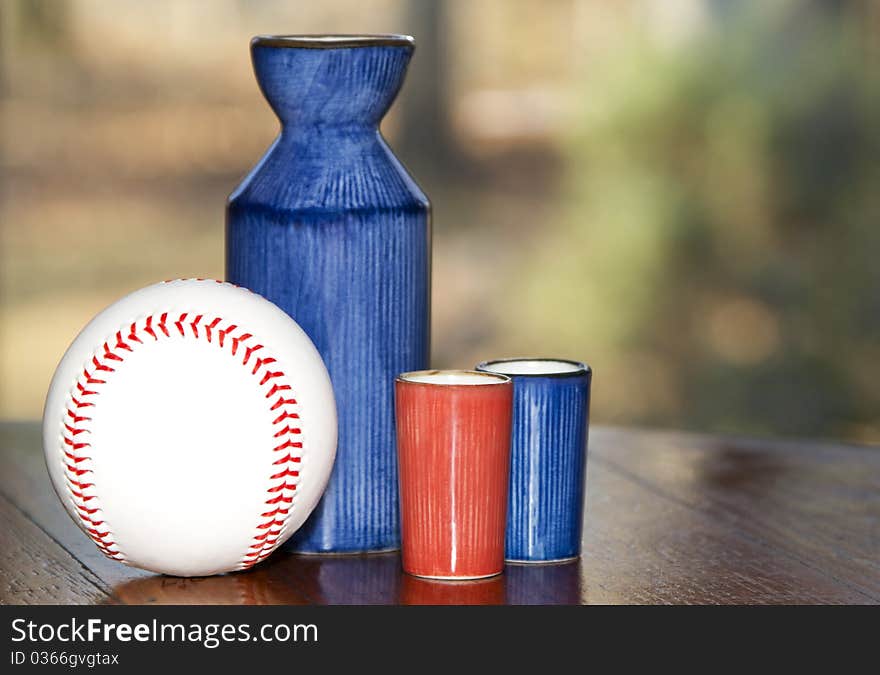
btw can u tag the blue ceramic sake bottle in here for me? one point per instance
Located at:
(331, 228)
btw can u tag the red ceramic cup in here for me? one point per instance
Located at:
(453, 440)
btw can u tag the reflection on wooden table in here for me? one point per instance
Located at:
(363, 580)
(670, 518)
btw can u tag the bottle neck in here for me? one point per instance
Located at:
(322, 141)
(345, 89)
(316, 129)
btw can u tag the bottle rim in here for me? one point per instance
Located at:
(331, 41)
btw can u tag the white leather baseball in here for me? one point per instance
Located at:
(190, 428)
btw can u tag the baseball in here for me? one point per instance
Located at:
(190, 428)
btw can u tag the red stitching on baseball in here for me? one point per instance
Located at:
(211, 327)
(77, 418)
(239, 339)
(81, 404)
(110, 355)
(120, 344)
(194, 324)
(286, 472)
(259, 363)
(148, 327)
(287, 444)
(280, 493)
(279, 498)
(132, 333)
(248, 352)
(92, 380)
(224, 333)
(100, 366)
(82, 390)
(276, 388)
(270, 375)
(283, 401)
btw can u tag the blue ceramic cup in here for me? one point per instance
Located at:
(551, 405)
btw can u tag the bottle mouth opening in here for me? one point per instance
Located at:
(333, 41)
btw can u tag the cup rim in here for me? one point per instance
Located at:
(491, 378)
(491, 366)
(333, 41)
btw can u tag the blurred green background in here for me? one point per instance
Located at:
(684, 193)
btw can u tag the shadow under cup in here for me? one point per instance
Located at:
(453, 431)
(551, 404)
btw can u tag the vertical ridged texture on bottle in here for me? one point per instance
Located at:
(331, 228)
(547, 466)
(454, 448)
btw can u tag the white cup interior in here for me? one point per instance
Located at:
(453, 377)
(534, 367)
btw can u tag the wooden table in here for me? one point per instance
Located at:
(670, 518)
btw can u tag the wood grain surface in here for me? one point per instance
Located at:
(670, 518)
